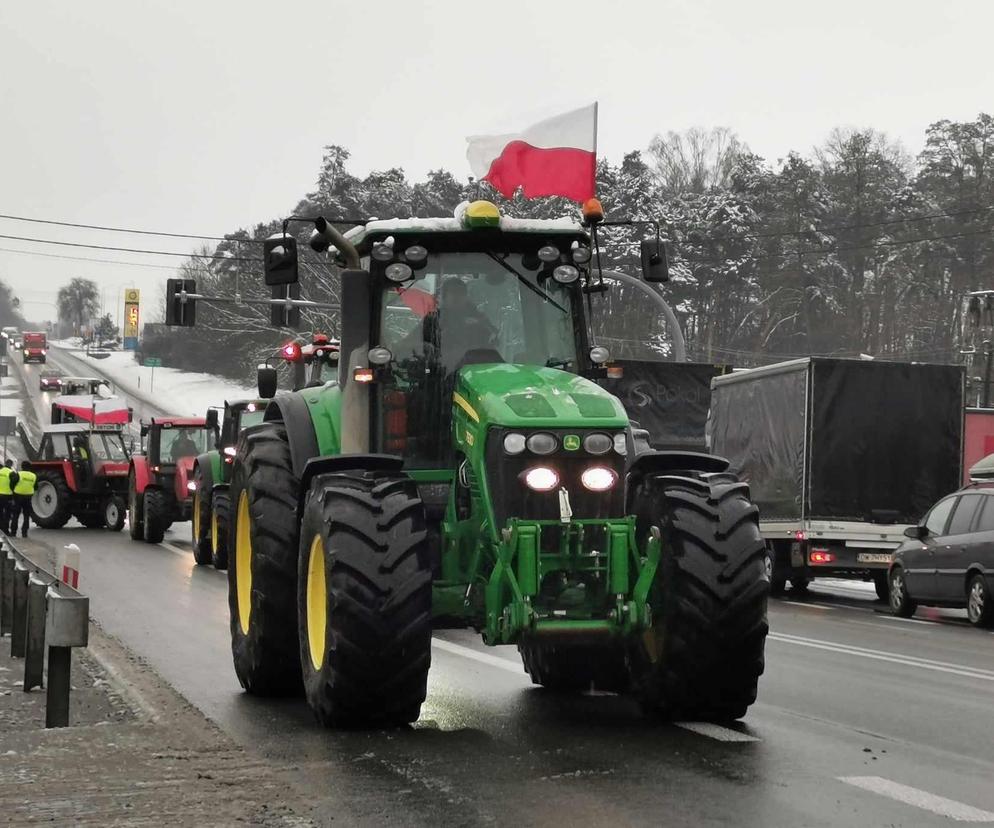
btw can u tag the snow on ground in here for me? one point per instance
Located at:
(178, 392)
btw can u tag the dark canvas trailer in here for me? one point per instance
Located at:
(668, 399)
(841, 455)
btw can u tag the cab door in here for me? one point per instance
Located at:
(919, 561)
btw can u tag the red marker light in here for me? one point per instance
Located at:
(291, 352)
(799, 535)
(821, 556)
(363, 375)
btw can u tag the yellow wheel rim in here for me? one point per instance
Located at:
(196, 517)
(317, 603)
(243, 563)
(214, 531)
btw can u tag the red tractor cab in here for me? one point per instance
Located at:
(308, 359)
(160, 481)
(82, 472)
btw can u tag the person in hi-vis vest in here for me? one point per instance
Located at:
(6, 494)
(24, 490)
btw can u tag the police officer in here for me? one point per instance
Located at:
(24, 490)
(6, 494)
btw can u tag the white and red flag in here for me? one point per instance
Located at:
(555, 157)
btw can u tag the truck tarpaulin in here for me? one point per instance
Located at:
(978, 439)
(843, 439)
(668, 399)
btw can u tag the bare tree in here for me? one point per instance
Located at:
(696, 161)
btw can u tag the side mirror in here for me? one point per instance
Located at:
(144, 430)
(266, 380)
(279, 257)
(916, 532)
(655, 268)
(211, 419)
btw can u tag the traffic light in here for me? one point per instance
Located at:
(179, 313)
(280, 260)
(280, 315)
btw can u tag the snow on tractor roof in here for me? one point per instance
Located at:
(193, 422)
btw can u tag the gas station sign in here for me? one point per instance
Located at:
(131, 318)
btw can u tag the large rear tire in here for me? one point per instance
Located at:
(136, 509)
(704, 653)
(156, 514)
(200, 522)
(262, 572)
(220, 526)
(364, 599)
(51, 500)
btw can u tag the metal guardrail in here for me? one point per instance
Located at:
(37, 610)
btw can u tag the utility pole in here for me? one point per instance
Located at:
(987, 374)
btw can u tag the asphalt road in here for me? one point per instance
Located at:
(863, 719)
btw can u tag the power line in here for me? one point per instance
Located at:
(129, 230)
(86, 259)
(132, 249)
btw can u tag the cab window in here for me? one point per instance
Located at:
(939, 516)
(962, 519)
(985, 522)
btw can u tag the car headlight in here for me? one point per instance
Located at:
(542, 443)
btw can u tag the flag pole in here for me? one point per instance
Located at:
(596, 107)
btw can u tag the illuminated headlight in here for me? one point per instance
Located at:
(598, 478)
(191, 485)
(514, 443)
(542, 443)
(250, 407)
(548, 254)
(231, 451)
(621, 444)
(399, 272)
(565, 274)
(597, 443)
(541, 479)
(379, 356)
(581, 254)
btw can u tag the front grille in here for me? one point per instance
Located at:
(513, 499)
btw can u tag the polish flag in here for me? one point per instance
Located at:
(555, 157)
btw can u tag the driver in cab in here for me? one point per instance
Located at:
(183, 446)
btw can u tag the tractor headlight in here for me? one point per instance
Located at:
(541, 479)
(548, 254)
(191, 486)
(514, 443)
(565, 274)
(230, 451)
(379, 356)
(597, 443)
(599, 355)
(542, 443)
(399, 272)
(416, 256)
(581, 254)
(621, 443)
(382, 252)
(598, 478)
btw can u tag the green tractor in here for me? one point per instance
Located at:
(466, 471)
(212, 480)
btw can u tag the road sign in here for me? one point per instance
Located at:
(152, 362)
(8, 426)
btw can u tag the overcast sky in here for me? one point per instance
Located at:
(202, 117)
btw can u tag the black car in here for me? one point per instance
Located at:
(50, 381)
(949, 559)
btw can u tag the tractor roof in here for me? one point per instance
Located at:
(193, 422)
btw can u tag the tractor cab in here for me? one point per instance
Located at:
(238, 416)
(161, 480)
(313, 363)
(97, 386)
(82, 472)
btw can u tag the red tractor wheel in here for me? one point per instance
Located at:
(50, 503)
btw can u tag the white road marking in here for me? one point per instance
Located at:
(893, 658)
(919, 799)
(483, 658)
(909, 620)
(808, 605)
(713, 731)
(183, 553)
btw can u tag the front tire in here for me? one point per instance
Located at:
(220, 525)
(200, 518)
(705, 651)
(136, 526)
(156, 515)
(113, 513)
(901, 602)
(364, 600)
(262, 572)
(979, 602)
(50, 502)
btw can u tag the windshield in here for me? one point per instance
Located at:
(463, 308)
(183, 441)
(108, 447)
(251, 418)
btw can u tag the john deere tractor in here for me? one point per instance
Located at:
(465, 471)
(212, 481)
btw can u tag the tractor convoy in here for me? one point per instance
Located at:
(463, 468)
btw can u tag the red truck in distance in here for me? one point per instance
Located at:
(34, 346)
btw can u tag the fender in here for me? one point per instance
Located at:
(207, 467)
(668, 462)
(184, 473)
(293, 410)
(63, 466)
(345, 462)
(139, 468)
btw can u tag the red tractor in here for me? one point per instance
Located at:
(82, 472)
(160, 482)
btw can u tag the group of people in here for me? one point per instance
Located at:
(16, 491)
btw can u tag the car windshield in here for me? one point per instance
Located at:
(182, 441)
(108, 447)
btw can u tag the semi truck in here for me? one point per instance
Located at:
(35, 346)
(841, 456)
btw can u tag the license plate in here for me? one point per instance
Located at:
(873, 557)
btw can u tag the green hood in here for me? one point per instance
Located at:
(529, 396)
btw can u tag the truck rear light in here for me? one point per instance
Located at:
(799, 535)
(821, 556)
